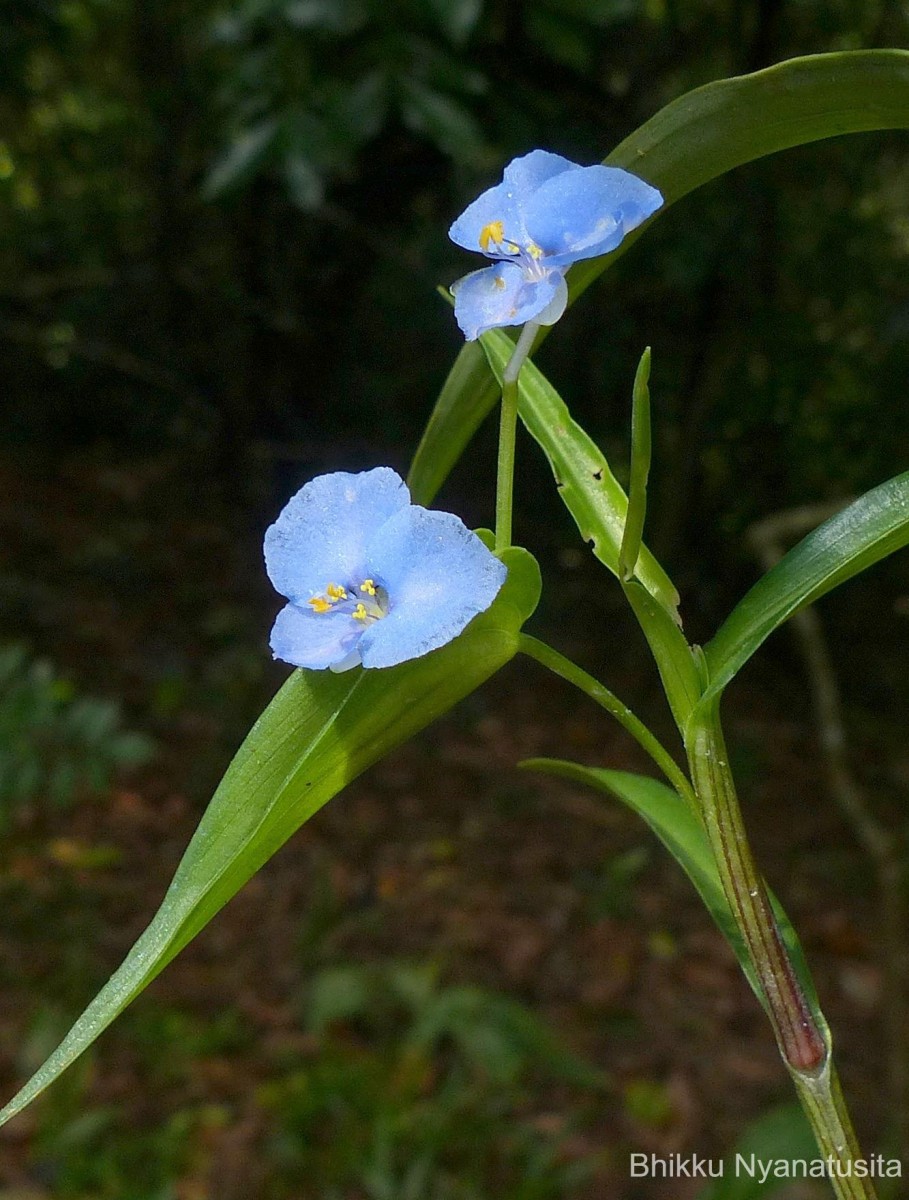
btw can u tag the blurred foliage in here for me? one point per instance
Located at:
(221, 230)
(402, 1089)
(611, 892)
(492, 1035)
(308, 84)
(781, 1135)
(423, 1090)
(55, 745)
(96, 1154)
(223, 225)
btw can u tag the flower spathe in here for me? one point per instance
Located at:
(371, 578)
(546, 214)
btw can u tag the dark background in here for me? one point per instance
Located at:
(222, 227)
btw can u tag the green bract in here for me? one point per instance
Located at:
(319, 733)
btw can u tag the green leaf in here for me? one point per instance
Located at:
(339, 994)
(874, 526)
(442, 119)
(305, 184)
(240, 161)
(672, 654)
(681, 832)
(633, 530)
(456, 18)
(566, 42)
(360, 110)
(589, 489)
(342, 17)
(782, 1135)
(695, 139)
(319, 733)
(467, 397)
(498, 1035)
(725, 124)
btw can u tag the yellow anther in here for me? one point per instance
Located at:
(336, 592)
(368, 586)
(493, 232)
(500, 283)
(360, 613)
(534, 250)
(319, 604)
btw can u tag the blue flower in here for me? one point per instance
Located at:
(372, 578)
(546, 214)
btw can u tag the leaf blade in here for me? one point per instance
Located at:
(587, 486)
(673, 656)
(468, 396)
(874, 526)
(694, 139)
(641, 453)
(681, 832)
(319, 733)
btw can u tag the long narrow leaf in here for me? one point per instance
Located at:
(725, 124)
(641, 451)
(588, 488)
(695, 139)
(467, 397)
(874, 526)
(674, 657)
(682, 834)
(319, 733)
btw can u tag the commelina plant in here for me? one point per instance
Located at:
(395, 612)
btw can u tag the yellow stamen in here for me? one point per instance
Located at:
(493, 232)
(368, 586)
(534, 250)
(500, 283)
(319, 604)
(360, 613)
(336, 592)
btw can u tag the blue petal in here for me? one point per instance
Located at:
(506, 201)
(524, 175)
(322, 533)
(304, 638)
(497, 204)
(503, 294)
(580, 214)
(438, 576)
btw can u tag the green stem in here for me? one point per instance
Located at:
(569, 671)
(800, 1034)
(508, 421)
(822, 1100)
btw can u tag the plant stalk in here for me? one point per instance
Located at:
(572, 673)
(798, 1025)
(508, 420)
(884, 847)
